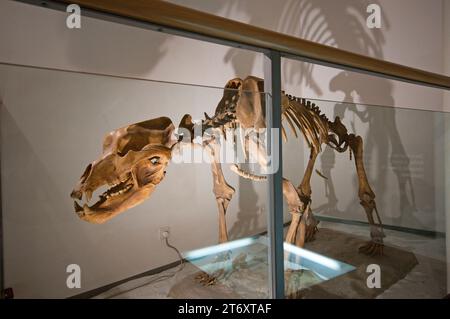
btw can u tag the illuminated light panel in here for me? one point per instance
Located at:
(202, 252)
(314, 257)
(294, 257)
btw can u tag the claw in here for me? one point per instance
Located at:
(209, 280)
(311, 230)
(310, 233)
(372, 249)
(205, 279)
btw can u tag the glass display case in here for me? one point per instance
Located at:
(43, 156)
(115, 185)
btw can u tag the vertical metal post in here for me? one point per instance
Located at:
(272, 85)
(446, 104)
(2, 251)
(446, 171)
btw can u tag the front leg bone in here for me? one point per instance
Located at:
(221, 190)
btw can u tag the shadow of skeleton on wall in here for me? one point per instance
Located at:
(340, 24)
(335, 23)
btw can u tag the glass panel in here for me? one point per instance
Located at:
(375, 164)
(53, 124)
(303, 268)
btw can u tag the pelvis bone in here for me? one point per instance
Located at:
(133, 162)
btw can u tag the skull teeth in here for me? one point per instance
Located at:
(120, 182)
(120, 191)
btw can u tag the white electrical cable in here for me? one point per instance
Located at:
(161, 277)
(182, 264)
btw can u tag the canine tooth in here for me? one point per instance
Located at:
(88, 195)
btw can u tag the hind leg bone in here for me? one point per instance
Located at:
(367, 200)
(295, 208)
(304, 189)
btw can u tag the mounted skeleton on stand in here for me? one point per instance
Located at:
(135, 157)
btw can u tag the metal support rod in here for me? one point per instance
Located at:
(272, 86)
(2, 244)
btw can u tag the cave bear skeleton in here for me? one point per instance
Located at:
(135, 158)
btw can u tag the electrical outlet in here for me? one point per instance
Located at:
(162, 231)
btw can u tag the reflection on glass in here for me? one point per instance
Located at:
(158, 184)
(242, 265)
(404, 155)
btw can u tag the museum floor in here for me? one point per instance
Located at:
(426, 279)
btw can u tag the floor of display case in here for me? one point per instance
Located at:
(240, 267)
(406, 267)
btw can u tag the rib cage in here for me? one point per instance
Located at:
(300, 114)
(305, 116)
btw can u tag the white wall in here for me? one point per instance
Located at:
(53, 122)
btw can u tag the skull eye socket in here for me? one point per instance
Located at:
(155, 160)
